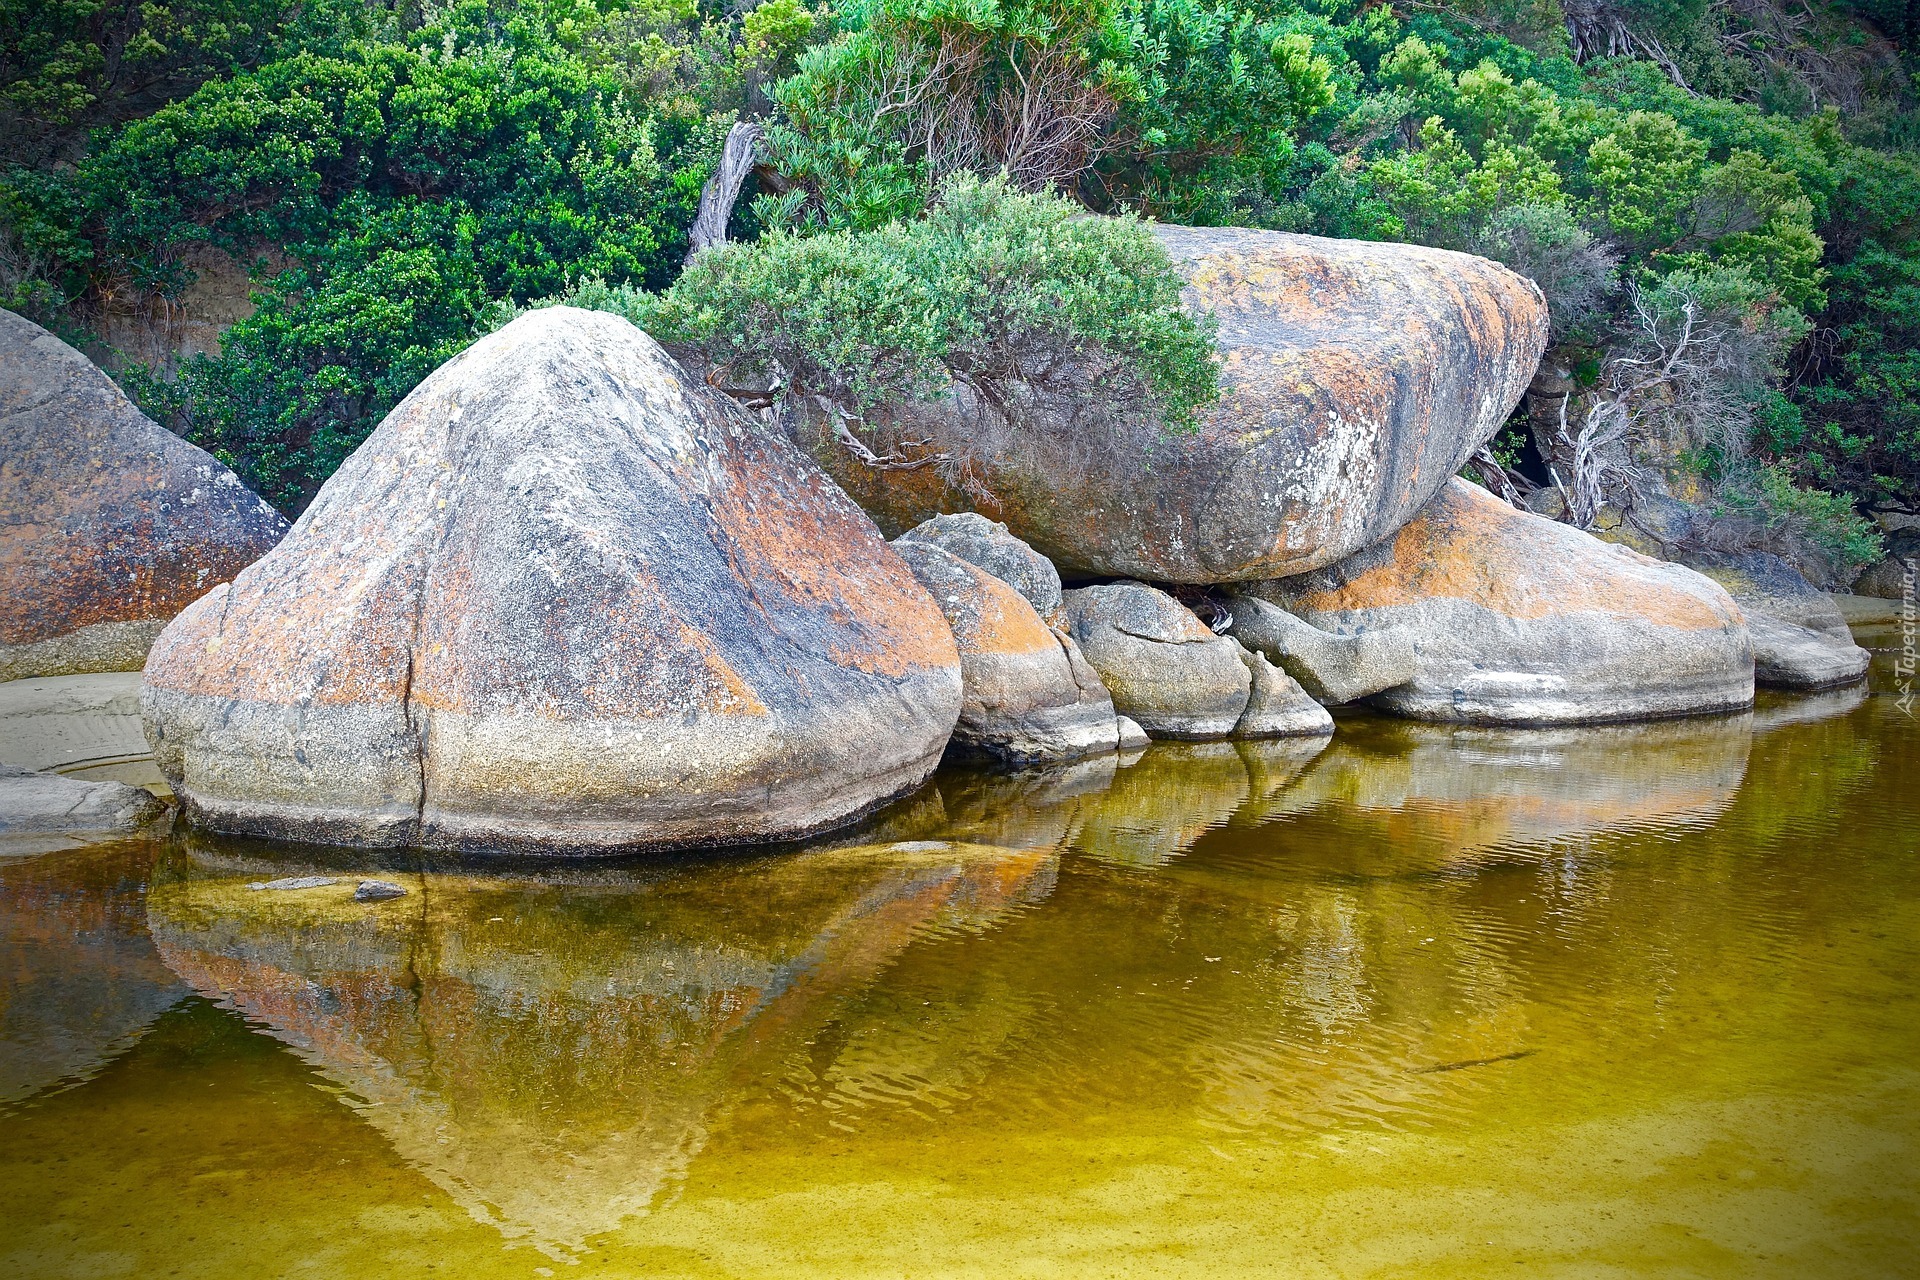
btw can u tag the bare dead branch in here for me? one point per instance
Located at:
(722, 191)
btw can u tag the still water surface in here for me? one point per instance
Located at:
(1419, 1002)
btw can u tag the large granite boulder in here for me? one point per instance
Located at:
(1356, 378)
(109, 523)
(564, 597)
(987, 544)
(1800, 640)
(1176, 678)
(1519, 620)
(1027, 694)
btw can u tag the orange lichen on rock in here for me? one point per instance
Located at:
(1517, 620)
(1355, 378)
(1471, 546)
(112, 524)
(1027, 693)
(564, 595)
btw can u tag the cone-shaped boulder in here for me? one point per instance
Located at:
(564, 597)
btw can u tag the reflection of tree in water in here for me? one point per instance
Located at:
(549, 1050)
(1244, 936)
(82, 978)
(1374, 935)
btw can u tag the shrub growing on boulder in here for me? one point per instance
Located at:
(1001, 293)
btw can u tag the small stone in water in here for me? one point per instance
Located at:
(294, 882)
(378, 891)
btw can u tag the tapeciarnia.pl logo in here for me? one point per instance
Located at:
(1905, 664)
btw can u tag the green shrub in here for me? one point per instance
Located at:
(416, 168)
(991, 289)
(1176, 108)
(70, 65)
(409, 186)
(1828, 520)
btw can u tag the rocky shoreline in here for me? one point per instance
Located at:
(569, 598)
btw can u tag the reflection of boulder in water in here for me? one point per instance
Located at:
(1037, 807)
(85, 980)
(1143, 810)
(1779, 710)
(1446, 791)
(1178, 791)
(549, 1050)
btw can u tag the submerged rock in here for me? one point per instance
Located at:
(1333, 668)
(564, 597)
(1026, 692)
(286, 883)
(378, 891)
(112, 524)
(1519, 620)
(1335, 424)
(986, 544)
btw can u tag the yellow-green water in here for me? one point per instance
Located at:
(1606, 1002)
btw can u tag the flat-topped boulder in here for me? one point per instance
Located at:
(1356, 378)
(565, 597)
(109, 523)
(33, 804)
(1518, 620)
(1789, 656)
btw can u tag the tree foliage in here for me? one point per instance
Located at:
(397, 174)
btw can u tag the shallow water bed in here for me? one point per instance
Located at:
(1418, 1002)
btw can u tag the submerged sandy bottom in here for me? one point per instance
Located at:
(1427, 1002)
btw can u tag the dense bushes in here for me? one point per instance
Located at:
(70, 65)
(1610, 183)
(1173, 108)
(409, 185)
(400, 174)
(1001, 292)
